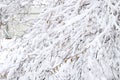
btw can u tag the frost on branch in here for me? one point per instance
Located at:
(69, 40)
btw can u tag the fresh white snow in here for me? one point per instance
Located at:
(68, 40)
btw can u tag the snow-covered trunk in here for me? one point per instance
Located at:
(6, 32)
(4, 22)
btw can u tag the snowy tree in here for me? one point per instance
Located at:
(68, 40)
(12, 14)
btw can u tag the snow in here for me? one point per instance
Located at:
(2, 5)
(78, 40)
(4, 51)
(24, 3)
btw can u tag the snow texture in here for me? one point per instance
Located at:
(69, 40)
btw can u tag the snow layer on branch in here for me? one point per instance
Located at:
(70, 40)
